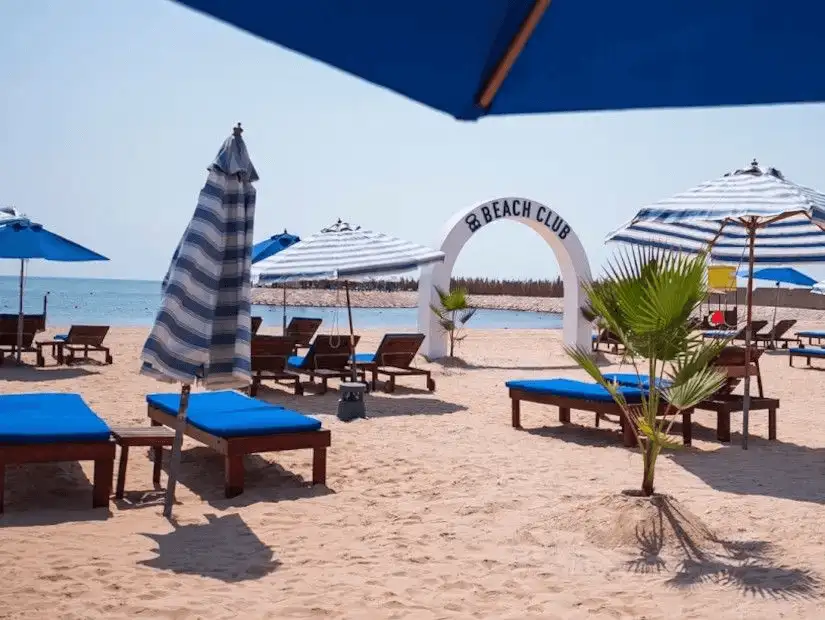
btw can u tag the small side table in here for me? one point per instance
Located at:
(351, 404)
(153, 436)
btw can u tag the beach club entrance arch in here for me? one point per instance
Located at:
(570, 254)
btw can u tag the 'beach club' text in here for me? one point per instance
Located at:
(497, 209)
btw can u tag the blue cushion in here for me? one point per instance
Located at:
(809, 351)
(48, 418)
(813, 333)
(719, 333)
(232, 414)
(630, 379)
(364, 358)
(61, 336)
(573, 389)
(296, 361)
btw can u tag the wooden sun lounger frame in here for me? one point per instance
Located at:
(810, 337)
(233, 449)
(8, 334)
(756, 326)
(269, 362)
(101, 452)
(777, 334)
(83, 339)
(609, 340)
(303, 330)
(808, 358)
(319, 371)
(565, 404)
(401, 349)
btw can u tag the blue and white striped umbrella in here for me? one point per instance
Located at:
(721, 215)
(203, 329)
(748, 216)
(342, 252)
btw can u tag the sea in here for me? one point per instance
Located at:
(134, 303)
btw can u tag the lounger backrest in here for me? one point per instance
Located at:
(329, 352)
(781, 328)
(89, 335)
(731, 361)
(271, 353)
(302, 329)
(398, 350)
(256, 324)
(9, 326)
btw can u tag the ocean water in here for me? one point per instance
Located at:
(133, 303)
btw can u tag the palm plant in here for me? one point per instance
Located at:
(453, 312)
(646, 299)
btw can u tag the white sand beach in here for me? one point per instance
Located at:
(435, 507)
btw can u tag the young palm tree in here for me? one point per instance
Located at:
(646, 299)
(453, 313)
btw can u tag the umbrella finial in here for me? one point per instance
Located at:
(237, 130)
(754, 163)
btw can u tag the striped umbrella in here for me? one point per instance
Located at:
(203, 329)
(343, 252)
(754, 215)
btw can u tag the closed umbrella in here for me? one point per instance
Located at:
(346, 253)
(269, 247)
(753, 214)
(203, 329)
(22, 239)
(470, 58)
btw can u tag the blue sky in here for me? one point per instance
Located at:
(112, 110)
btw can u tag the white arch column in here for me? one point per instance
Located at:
(570, 254)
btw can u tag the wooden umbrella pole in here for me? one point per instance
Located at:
(284, 308)
(20, 311)
(177, 448)
(746, 400)
(351, 335)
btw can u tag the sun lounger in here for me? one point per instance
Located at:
(45, 427)
(8, 334)
(83, 339)
(328, 357)
(302, 330)
(811, 335)
(269, 360)
(808, 353)
(567, 394)
(393, 358)
(607, 339)
(756, 327)
(256, 324)
(234, 425)
(777, 334)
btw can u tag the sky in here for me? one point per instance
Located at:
(111, 111)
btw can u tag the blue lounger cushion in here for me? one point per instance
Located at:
(719, 333)
(296, 361)
(232, 414)
(61, 336)
(569, 388)
(809, 352)
(49, 418)
(812, 333)
(630, 379)
(364, 358)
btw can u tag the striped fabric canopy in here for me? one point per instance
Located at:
(718, 213)
(342, 252)
(202, 331)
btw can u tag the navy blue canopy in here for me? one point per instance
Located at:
(469, 58)
(273, 245)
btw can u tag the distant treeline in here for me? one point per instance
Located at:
(474, 286)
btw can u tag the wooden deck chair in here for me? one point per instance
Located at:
(328, 357)
(393, 358)
(607, 338)
(777, 334)
(81, 339)
(756, 327)
(269, 358)
(302, 330)
(8, 334)
(256, 324)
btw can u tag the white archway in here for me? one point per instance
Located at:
(570, 254)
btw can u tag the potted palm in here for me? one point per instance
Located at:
(647, 298)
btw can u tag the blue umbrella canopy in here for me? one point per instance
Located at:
(783, 275)
(273, 245)
(23, 239)
(470, 58)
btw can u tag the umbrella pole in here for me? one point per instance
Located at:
(20, 312)
(177, 446)
(775, 304)
(351, 335)
(746, 400)
(284, 321)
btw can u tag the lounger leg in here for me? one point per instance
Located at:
(389, 386)
(516, 413)
(564, 415)
(319, 466)
(374, 380)
(687, 428)
(157, 463)
(121, 472)
(2, 482)
(723, 425)
(324, 385)
(104, 468)
(233, 475)
(772, 424)
(628, 433)
(253, 388)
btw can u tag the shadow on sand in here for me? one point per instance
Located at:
(49, 373)
(748, 566)
(223, 548)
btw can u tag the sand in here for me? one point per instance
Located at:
(435, 508)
